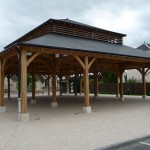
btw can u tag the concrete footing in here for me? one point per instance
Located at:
(87, 109)
(117, 95)
(33, 101)
(23, 117)
(2, 108)
(54, 104)
(144, 96)
(122, 98)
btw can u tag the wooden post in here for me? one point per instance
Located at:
(121, 86)
(75, 84)
(33, 86)
(144, 83)
(1, 85)
(86, 83)
(54, 86)
(117, 92)
(48, 87)
(54, 102)
(81, 85)
(33, 101)
(67, 81)
(60, 85)
(23, 82)
(86, 65)
(8, 79)
(96, 85)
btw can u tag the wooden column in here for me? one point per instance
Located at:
(143, 73)
(121, 86)
(48, 86)
(67, 82)
(8, 79)
(86, 65)
(86, 83)
(75, 84)
(81, 85)
(144, 83)
(60, 85)
(33, 87)
(96, 85)
(23, 82)
(117, 92)
(1, 85)
(54, 86)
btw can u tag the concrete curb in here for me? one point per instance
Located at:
(126, 143)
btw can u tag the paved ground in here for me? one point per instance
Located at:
(67, 128)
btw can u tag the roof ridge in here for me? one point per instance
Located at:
(147, 45)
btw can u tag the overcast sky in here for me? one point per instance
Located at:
(131, 17)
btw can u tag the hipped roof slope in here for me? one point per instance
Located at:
(87, 45)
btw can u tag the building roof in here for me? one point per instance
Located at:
(64, 21)
(86, 25)
(87, 45)
(144, 46)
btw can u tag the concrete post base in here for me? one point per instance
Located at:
(2, 108)
(144, 96)
(33, 101)
(87, 109)
(122, 98)
(67, 92)
(54, 104)
(95, 96)
(23, 117)
(117, 95)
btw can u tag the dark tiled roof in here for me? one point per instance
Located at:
(83, 44)
(144, 46)
(63, 21)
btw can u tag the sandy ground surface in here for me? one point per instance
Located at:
(67, 128)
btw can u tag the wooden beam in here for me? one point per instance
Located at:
(147, 70)
(32, 58)
(80, 61)
(91, 62)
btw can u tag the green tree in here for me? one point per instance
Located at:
(108, 77)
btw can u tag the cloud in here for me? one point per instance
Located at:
(128, 17)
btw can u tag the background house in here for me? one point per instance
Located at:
(134, 73)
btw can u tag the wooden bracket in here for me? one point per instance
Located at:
(32, 58)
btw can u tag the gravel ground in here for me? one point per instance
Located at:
(67, 128)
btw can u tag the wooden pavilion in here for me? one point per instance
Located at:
(63, 48)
